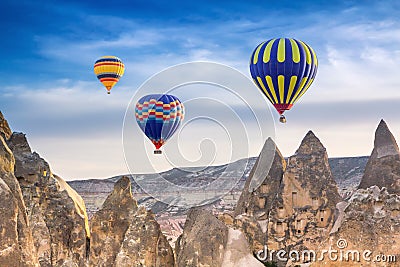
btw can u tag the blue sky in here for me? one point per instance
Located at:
(49, 90)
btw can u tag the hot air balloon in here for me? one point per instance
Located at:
(108, 70)
(159, 116)
(283, 69)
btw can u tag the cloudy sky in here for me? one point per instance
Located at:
(50, 93)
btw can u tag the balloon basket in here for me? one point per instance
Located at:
(157, 152)
(108, 92)
(282, 119)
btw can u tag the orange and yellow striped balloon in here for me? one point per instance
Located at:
(109, 69)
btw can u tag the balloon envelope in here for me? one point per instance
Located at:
(283, 69)
(109, 69)
(159, 116)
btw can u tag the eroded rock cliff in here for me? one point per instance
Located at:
(290, 205)
(294, 207)
(207, 241)
(125, 235)
(57, 213)
(5, 129)
(52, 224)
(260, 195)
(368, 221)
(16, 241)
(383, 167)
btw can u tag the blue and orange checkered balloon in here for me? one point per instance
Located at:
(159, 116)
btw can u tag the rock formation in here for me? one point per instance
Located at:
(109, 224)
(5, 130)
(290, 205)
(259, 195)
(294, 207)
(383, 167)
(144, 244)
(206, 241)
(368, 220)
(57, 213)
(16, 241)
(52, 226)
(203, 241)
(237, 252)
(259, 191)
(123, 235)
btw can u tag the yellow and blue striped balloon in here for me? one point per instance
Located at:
(109, 69)
(283, 69)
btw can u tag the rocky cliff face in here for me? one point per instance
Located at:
(203, 241)
(260, 194)
(290, 205)
(109, 224)
(50, 217)
(260, 189)
(123, 235)
(57, 213)
(53, 230)
(383, 167)
(207, 241)
(16, 241)
(5, 130)
(294, 207)
(368, 221)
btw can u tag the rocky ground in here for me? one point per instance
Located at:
(304, 203)
(347, 173)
